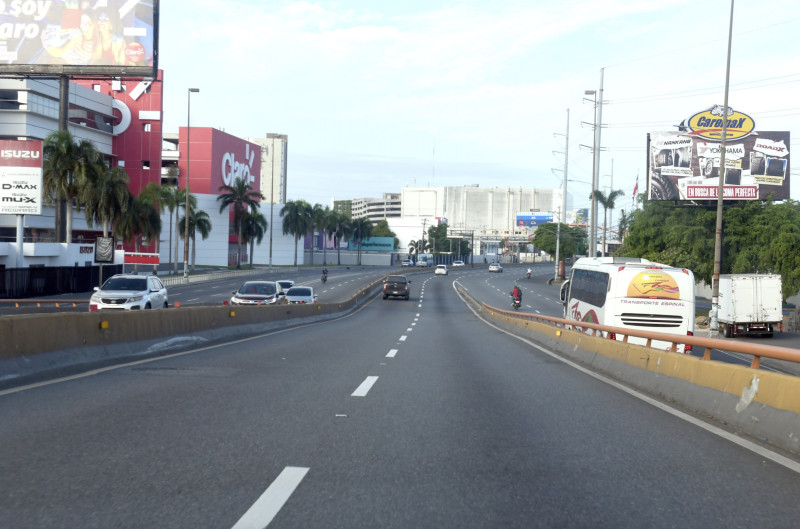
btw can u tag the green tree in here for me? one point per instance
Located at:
(381, 229)
(68, 167)
(362, 230)
(757, 237)
(295, 221)
(343, 231)
(608, 202)
(180, 229)
(328, 227)
(242, 197)
(140, 220)
(318, 216)
(254, 226)
(106, 198)
(198, 221)
(573, 239)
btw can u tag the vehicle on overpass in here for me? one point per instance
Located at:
(633, 293)
(129, 292)
(750, 304)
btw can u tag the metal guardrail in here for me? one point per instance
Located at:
(756, 351)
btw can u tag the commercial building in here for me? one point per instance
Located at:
(375, 209)
(123, 119)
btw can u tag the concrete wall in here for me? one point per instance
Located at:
(764, 404)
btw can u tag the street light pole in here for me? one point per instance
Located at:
(598, 124)
(186, 207)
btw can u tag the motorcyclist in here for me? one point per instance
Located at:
(516, 293)
(529, 273)
(324, 275)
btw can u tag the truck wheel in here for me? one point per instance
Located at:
(385, 297)
(728, 330)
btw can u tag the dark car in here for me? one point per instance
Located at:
(396, 286)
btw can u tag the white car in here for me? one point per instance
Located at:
(301, 295)
(441, 270)
(129, 292)
(495, 267)
(457, 263)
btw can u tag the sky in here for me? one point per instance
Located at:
(377, 95)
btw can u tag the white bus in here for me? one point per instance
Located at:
(634, 293)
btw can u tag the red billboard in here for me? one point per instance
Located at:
(217, 158)
(52, 37)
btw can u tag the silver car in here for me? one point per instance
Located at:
(301, 295)
(129, 292)
(258, 293)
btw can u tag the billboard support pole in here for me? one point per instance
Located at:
(63, 124)
(713, 325)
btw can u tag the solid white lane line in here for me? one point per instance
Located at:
(363, 389)
(270, 503)
(391, 354)
(403, 338)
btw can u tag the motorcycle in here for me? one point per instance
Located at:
(324, 278)
(529, 274)
(516, 302)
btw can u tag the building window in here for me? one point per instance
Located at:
(145, 164)
(146, 127)
(96, 87)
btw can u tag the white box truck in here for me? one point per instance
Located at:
(750, 304)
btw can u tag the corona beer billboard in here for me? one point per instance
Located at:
(70, 37)
(685, 165)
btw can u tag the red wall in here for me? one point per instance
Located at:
(214, 156)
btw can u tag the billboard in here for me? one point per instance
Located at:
(528, 218)
(373, 244)
(686, 166)
(21, 177)
(74, 37)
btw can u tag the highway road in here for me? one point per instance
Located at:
(403, 414)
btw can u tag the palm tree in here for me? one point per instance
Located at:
(295, 221)
(242, 197)
(343, 230)
(317, 215)
(329, 230)
(169, 200)
(254, 226)
(180, 202)
(141, 219)
(625, 220)
(68, 168)
(198, 221)
(106, 198)
(608, 203)
(362, 229)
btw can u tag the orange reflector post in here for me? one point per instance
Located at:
(104, 325)
(177, 304)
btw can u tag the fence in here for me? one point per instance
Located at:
(37, 281)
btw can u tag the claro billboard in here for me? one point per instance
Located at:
(685, 165)
(73, 37)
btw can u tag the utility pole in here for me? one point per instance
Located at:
(561, 217)
(713, 324)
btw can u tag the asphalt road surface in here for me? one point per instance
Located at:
(406, 414)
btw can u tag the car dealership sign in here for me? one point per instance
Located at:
(20, 177)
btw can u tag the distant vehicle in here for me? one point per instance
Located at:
(423, 263)
(285, 284)
(633, 293)
(129, 292)
(258, 293)
(457, 263)
(396, 286)
(495, 267)
(300, 295)
(441, 270)
(407, 263)
(750, 304)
